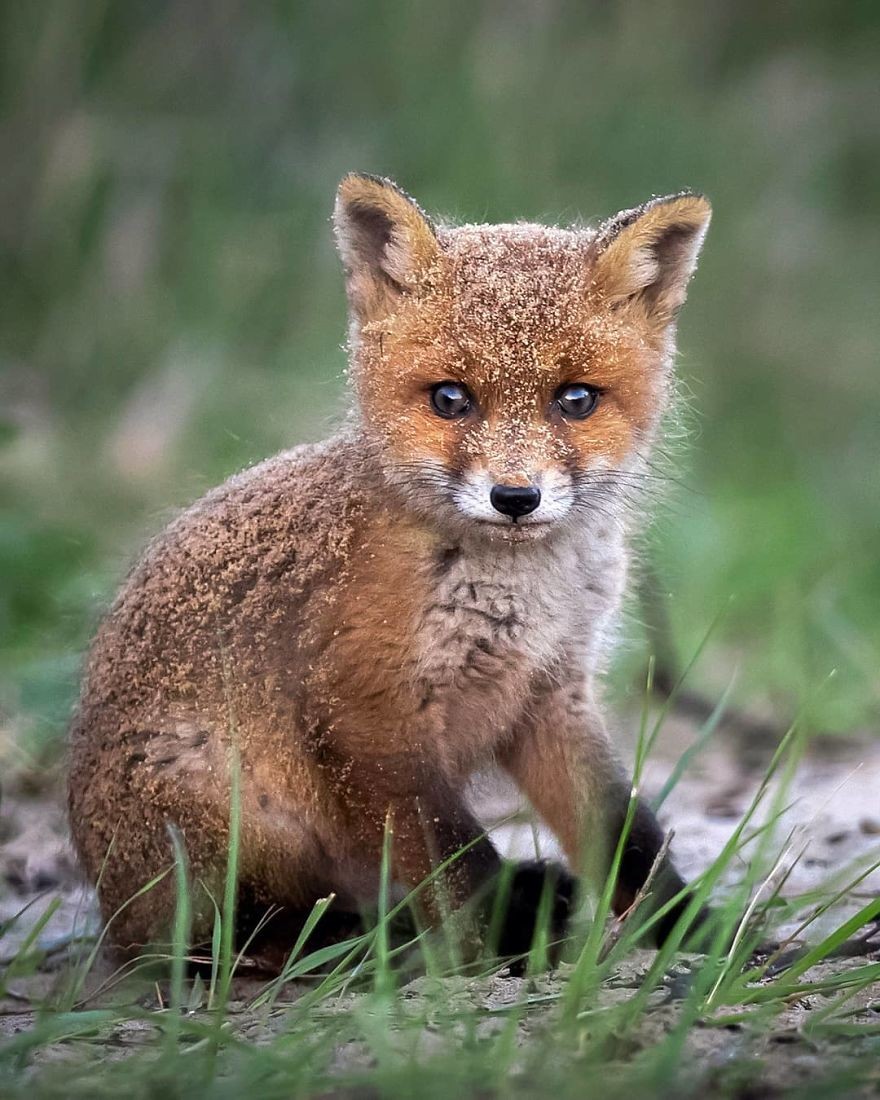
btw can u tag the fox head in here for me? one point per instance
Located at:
(511, 377)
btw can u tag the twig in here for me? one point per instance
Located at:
(616, 930)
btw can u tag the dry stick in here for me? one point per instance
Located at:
(616, 930)
(745, 922)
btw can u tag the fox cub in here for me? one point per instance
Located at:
(366, 622)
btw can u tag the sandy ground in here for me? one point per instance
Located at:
(833, 825)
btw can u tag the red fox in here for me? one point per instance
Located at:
(369, 621)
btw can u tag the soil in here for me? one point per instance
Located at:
(832, 823)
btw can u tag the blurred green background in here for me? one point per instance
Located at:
(172, 308)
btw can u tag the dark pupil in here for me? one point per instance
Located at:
(449, 399)
(577, 400)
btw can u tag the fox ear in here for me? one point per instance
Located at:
(386, 243)
(646, 256)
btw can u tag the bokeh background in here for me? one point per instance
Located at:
(172, 308)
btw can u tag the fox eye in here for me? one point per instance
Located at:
(577, 400)
(450, 400)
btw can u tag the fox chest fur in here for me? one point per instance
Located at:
(443, 644)
(495, 624)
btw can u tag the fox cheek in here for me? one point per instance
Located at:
(413, 439)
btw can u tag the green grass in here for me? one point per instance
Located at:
(374, 1016)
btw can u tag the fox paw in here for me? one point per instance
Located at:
(531, 881)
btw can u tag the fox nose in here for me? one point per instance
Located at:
(515, 500)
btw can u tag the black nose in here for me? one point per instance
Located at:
(515, 500)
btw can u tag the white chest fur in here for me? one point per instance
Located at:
(499, 610)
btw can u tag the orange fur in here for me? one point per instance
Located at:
(354, 620)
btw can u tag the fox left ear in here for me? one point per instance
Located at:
(646, 256)
(386, 243)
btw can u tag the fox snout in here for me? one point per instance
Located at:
(515, 500)
(534, 502)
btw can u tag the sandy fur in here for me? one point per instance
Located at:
(359, 639)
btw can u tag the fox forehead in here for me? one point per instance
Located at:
(510, 312)
(515, 285)
(507, 309)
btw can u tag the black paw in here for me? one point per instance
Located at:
(534, 886)
(698, 936)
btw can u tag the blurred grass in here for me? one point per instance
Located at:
(172, 308)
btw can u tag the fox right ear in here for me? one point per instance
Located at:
(647, 255)
(386, 243)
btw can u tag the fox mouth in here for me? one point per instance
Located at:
(522, 529)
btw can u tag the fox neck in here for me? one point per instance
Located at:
(506, 611)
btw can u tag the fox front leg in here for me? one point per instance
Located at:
(561, 758)
(432, 835)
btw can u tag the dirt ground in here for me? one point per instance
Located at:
(834, 812)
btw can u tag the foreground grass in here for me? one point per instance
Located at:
(377, 1016)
